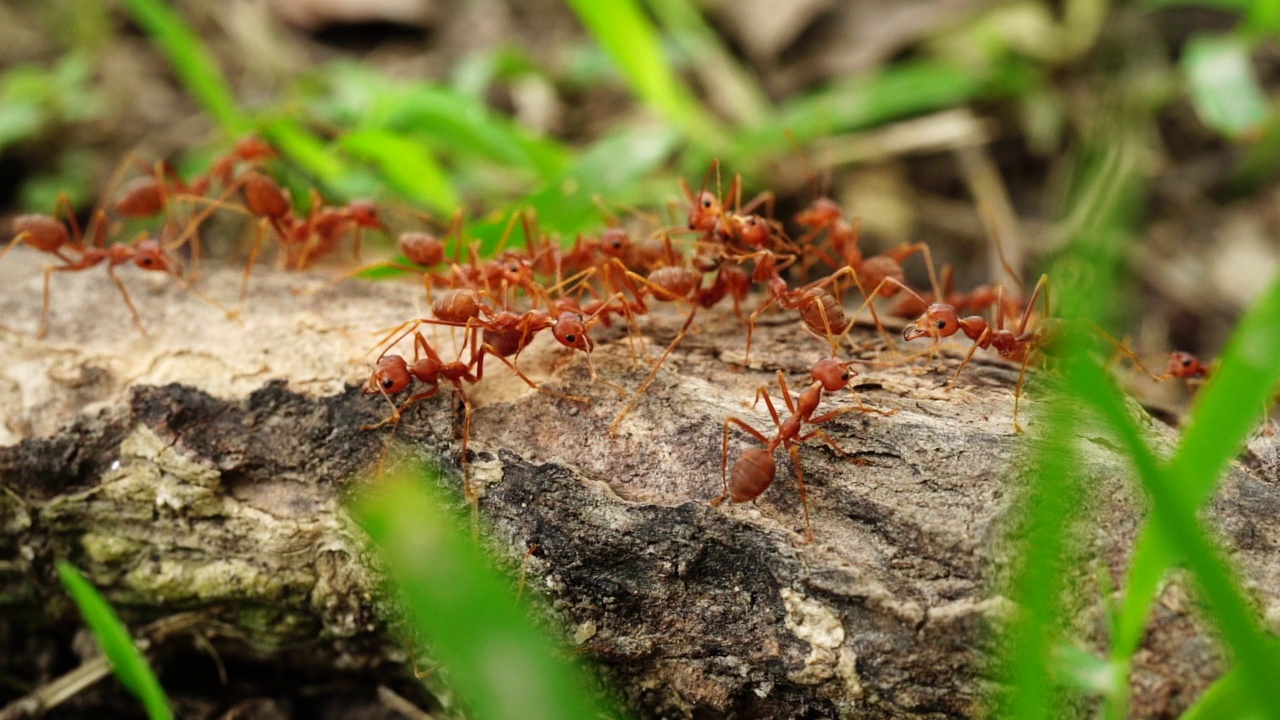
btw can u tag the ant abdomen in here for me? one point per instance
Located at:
(41, 232)
(752, 474)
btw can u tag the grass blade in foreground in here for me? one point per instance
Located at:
(130, 666)
(1221, 419)
(501, 665)
(1173, 517)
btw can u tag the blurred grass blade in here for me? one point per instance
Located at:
(458, 121)
(500, 663)
(1224, 86)
(1223, 416)
(898, 91)
(408, 166)
(117, 644)
(612, 168)
(1223, 699)
(723, 77)
(313, 156)
(1173, 516)
(193, 62)
(626, 34)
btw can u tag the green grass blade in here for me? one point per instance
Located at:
(1221, 420)
(742, 96)
(467, 125)
(1173, 515)
(499, 662)
(407, 165)
(898, 91)
(612, 168)
(117, 644)
(1109, 188)
(193, 62)
(1037, 582)
(1223, 699)
(631, 41)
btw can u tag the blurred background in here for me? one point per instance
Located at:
(913, 114)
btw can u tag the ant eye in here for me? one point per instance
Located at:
(387, 383)
(571, 337)
(706, 203)
(941, 324)
(844, 376)
(1186, 362)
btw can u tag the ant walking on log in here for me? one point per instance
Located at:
(755, 468)
(1047, 335)
(49, 235)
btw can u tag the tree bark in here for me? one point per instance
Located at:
(205, 465)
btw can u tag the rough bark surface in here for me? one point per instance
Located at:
(204, 465)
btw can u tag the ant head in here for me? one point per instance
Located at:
(1183, 365)
(706, 212)
(833, 374)
(615, 242)
(939, 321)
(516, 270)
(570, 330)
(364, 213)
(149, 255)
(390, 376)
(754, 231)
(423, 249)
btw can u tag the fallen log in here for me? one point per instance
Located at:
(204, 467)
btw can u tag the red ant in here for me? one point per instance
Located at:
(49, 235)
(392, 374)
(1046, 335)
(755, 469)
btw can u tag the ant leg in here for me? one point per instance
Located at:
(1041, 285)
(21, 237)
(826, 438)
(762, 393)
(751, 327)
(248, 268)
(44, 312)
(1017, 391)
(613, 428)
(986, 334)
(488, 349)
(724, 453)
(137, 319)
(804, 498)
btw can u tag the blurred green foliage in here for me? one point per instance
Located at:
(128, 663)
(502, 664)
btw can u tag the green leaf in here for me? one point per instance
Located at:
(193, 62)
(626, 34)
(497, 660)
(611, 168)
(117, 644)
(1224, 86)
(408, 166)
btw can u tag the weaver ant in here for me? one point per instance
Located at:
(755, 468)
(49, 235)
(1048, 335)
